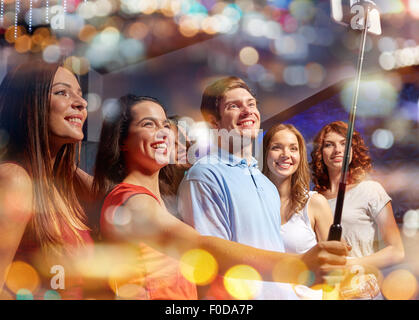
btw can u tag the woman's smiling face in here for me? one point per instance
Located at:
(283, 157)
(149, 139)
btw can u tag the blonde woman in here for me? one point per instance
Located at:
(305, 215)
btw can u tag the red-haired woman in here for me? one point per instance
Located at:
(305, 215)
(367, 209)
(42, 224)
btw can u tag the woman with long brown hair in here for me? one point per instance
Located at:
(367, 211)
(42, 224)
(133, 148)
(305, 215)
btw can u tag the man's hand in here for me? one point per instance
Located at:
(325, 257)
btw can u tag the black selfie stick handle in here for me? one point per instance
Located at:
(335, 232)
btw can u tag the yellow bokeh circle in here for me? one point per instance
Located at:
(198, 266)
(243, 282)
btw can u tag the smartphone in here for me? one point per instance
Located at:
(352, 13)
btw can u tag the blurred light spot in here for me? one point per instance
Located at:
(256, 72)
(93, 102)
(249, 56)
(10, 33)
(383, 138)
(103, 8)
(127, 281)
(377, 98)
(292, 270)
(87, 9)
(23, 44)
(315, 74)
(198, 266)
(137, 30)
(111, 109)
(66, 46)
(387, 61)
(52, 295)
(87, 33)
(79, 65)
(411, 223)
(51, 53)
(22, 275)
(131, 49)
(400, 285)
(188, 26)
(24, 294)
(387, 44)
(242, 282)
(302, 10)
(295, 75)
(414, 8)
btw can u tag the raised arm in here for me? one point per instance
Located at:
(15, 211)
(153, 225)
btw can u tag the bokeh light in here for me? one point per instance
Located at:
(24, 294)
(198, 266)
(400, 285)
(292, 270)
(243, 282)
(410, 223)
(383, 138)
(21, 275)
(52, 295)
(249, 56)
(377, 98)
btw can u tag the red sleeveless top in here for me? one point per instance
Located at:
(53, 276)
(157, 276)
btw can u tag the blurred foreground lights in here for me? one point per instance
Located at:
(243, 282)
(383, 139)
(411, 223)
(127, 281)
(400, 285)
(249, 56)
(51, 53)
(377, 98)
(399, 58)
(93, 102)
(21, 275)
(198, 266)
(78, 65)
(52, 295)
(24, 294)
(414, 8)
(110, 109)
(293, 270)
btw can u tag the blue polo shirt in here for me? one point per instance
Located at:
(222, 196)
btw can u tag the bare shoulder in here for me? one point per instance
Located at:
(318, 200)
(318, 203)
(13, 175)
(16, 190)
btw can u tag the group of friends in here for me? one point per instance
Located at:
(223, 203)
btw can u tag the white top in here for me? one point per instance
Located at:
(361, 207)
(297, 233)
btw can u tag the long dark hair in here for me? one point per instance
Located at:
(24, 115)
(110, 168)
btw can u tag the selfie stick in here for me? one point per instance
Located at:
(335, 231)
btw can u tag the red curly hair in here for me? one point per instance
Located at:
(359, 166)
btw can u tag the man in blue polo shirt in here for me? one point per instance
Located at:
(224, 194)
